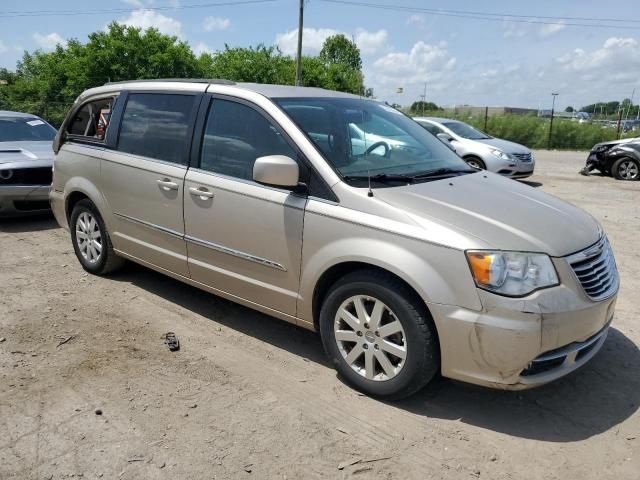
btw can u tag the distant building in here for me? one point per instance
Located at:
(479, 111)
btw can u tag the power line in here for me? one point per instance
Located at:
(496, 17)
(54, 13)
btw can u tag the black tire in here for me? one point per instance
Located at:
(107, 261)
(473, 161)
(422, 360)
(619, 171)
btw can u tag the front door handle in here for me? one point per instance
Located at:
(167, 184)
(200, 192)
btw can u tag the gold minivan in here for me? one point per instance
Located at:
(341, 215)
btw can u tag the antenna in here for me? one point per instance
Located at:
(370, 192)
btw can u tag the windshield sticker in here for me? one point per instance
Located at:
(34, 123)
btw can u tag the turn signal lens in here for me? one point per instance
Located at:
(511, 273)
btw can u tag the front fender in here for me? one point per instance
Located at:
(437, 273)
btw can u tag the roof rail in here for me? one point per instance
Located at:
(218, 81)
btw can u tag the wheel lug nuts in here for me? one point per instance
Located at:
(365, 346)
(359, 334)
(376, 347)
(377, 334)
(366, 325)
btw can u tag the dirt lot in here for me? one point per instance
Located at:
(249, 396)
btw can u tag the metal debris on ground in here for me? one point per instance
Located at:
(172, 341)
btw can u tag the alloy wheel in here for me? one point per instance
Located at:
(370, 338)
(88, 237)
(628, 170)
(474, 164)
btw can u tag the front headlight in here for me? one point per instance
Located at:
(514, 274)
(500, 154)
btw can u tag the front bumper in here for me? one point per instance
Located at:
(518, 343)
(19, 200)
(514, 168)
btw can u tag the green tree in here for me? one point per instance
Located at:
(338, 49)
(420, 106)
(569, 109)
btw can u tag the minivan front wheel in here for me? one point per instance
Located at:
(91, 241)
(379, 335)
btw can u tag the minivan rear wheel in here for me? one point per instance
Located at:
(91, 241)
(379, 335)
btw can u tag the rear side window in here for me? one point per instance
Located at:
(155, 125)
(235, 135)
(92, 120)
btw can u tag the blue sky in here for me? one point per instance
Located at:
(463, 60)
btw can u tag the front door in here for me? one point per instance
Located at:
(243, 238)
(143, 179)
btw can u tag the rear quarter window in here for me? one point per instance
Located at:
(155, 125)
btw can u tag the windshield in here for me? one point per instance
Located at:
(25, 129)
(362, 138)
(465, 131)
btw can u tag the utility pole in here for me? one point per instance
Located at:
(424, 98)
(299, 56)
(553, 105)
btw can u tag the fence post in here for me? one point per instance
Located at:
(619, 122)
(486, 115)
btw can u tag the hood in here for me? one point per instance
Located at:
(18, 152)
(616, 142)
(502, 213)
(504, 145)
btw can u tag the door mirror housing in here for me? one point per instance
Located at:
(277, 171)
(445, 137)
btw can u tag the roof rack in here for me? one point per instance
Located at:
(218, 81)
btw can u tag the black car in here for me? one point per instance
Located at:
(619, 158)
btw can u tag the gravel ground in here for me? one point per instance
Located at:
(88, 389)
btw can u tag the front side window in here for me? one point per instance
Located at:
(25, 129)
(92, 119)
(155, 125)
(363, 138)
(431, 128)
(235, 135)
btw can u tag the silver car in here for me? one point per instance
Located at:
(481, 150)
(341, 215)
(26, 159)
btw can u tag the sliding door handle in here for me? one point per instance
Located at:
(200, 192)
(167, 184)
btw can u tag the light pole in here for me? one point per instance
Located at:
(553, 105)
(299, 53)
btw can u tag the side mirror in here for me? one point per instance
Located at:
(277, 171)
(445, 137)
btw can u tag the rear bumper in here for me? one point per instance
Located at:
(19, 200)
(515, 343)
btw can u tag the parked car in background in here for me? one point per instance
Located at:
(481, 150)
(619, 159)
(26, 160)
(410, 262)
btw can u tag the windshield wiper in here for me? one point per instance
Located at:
(439, 172)
(381, 177)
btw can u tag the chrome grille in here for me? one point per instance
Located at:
(523, 157)
(596, 270)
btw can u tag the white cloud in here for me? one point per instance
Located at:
(49, 41)
(513, 29)
(416, 19)
(3, 47)
(134, 3)
(312, 40)
(201, 48)
(371, 42)
(551, 29)
(216, 23)
(149, 18)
